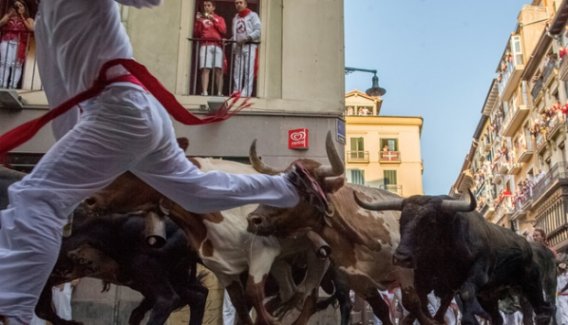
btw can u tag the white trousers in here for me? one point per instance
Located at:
(10, 68)
(124, 128)
(243, 72)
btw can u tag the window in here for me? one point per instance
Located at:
(357, 148)
(390, 178)
(356, 176)
(365, 110)
(391, 144)
(233, 60)
(517, 50)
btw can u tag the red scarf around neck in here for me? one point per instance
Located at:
(244, 12)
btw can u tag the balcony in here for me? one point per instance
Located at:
(557, 123)
(525, 153)
(228, 60)
(540, 142)
(389, 157)
(563, 69)
(514, 120)
(510, 79)
(538, 85)
(488, 211)
(544, 181)
(19, 76)
(515, 168)
(357, 156)
(548, 70)
(393, 188)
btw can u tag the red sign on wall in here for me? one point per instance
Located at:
(298, 139)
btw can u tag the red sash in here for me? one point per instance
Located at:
(139, 75)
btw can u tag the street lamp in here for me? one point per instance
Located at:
(375, 90)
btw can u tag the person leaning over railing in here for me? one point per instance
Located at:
(16, 27)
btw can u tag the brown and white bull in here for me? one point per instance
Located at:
(223, 243)
(362, 242)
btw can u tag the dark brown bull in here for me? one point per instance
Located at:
(362, 242)
(453, 249)
(113, 249)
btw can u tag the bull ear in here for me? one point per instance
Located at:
(332, 184)
(460, 205)
(392, 204)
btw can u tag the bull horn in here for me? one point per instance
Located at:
(337, 167)
(257, 164)
(392, 204)
(460, 205)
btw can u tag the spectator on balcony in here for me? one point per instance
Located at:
(246, 35)
(210, 29)
(386, 148)
(16, 27)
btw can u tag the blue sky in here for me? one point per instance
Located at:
(436, 59)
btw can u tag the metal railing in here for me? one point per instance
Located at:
(559, 170)
(389, 156)
(236, 64)
(358, 156)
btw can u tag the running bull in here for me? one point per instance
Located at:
(454, 249)
(362, 242)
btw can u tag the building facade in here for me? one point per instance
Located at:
(299, 80)
(382, 151)
(517, 163)
(299, 84)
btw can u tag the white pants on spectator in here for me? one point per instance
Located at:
(243, 72)
(10, 68)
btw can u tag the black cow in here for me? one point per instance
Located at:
(114, 248)
(453, 249)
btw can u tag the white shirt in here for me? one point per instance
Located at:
(74, 39)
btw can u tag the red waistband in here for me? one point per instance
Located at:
(138, 75)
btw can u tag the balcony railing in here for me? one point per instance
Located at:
(563, 69)
(394, 188)
(544, 181)
(237, 67)
(389, 156)
(515, 119)
(358, 156)
(548, 69)
(524, 152)
(557, 122)
(538, 85)
(509, 79)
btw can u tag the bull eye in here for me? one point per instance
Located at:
(91, 201)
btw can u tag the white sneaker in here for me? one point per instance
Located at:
(204, 93)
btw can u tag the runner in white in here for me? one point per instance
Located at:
(123, 128)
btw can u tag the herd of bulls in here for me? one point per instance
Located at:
(367, 240)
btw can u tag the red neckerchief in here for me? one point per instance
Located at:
(139, 75)
(244, 12)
